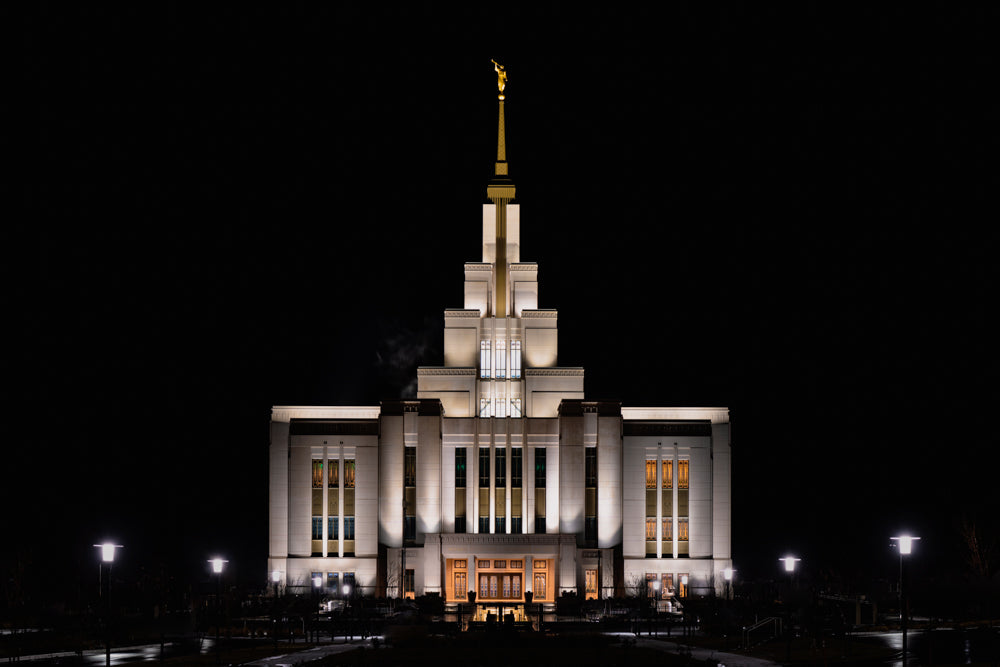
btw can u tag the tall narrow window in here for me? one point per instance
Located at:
(331, 527)
(540, 468)
(501, 365)
(461, 586)
(460, 467)
(317, 473)
(668, 474)
(590, 466)
(682, 529)
(484, 467)
(515, 359)
(650, 528)
(650, 474)
(516, 467)
(668, 529)
(682, 474)
(349, 588)
(484, 359)
(408, 584)
(484, 407)
(332, 583)
(317, 528)
(410, 466)
(501, 468)
(349, 473)
(539, 587)
(348, 527)
(515, 407)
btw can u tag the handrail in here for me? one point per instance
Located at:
(769, 620)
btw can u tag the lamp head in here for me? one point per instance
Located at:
(789, 562)
(217, 565)
(905, 543)
(108, 551)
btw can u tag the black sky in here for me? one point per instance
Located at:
(788, 211)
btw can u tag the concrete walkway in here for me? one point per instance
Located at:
(308, 655)
(727, 659)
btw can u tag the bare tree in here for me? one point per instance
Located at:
(980, 547)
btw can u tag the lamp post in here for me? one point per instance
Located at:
(317, 584)
(217, 566)
(789, 565)
(276, 582)
(905, 543)
(656, 605)
(727, 576)
(107, 559)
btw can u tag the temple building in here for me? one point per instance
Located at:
(500, 478)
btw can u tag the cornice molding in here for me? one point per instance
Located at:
(285, 413)
(483, 539)
(463, 312)
(444, 370)
(547, 314)
(554, 372)
(714, 415)
(524, 266)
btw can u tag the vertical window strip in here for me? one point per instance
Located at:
(460, 468)
(349, 473)
(484, 359)
(515, 359)
(668, 474)
(501, 357)
(682, 474)
(484, 467)
(317, 472)
(650, 474)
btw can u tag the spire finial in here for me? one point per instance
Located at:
(501, 77)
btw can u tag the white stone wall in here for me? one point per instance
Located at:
(609, 482)
(300, 499)
(571, 476)
(390, 506)
(278, 492)
(366, 495)
(429, 476)
(721, 493)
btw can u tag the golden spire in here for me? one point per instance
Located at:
(500, 190)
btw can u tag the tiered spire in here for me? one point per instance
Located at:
(500, 191)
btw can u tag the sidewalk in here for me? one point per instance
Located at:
(727, 659)
(308, 655)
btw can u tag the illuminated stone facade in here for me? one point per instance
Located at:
(500, 477)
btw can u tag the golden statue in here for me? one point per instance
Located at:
(501, 76)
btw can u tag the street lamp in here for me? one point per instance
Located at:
(317, 584)
(107, 559)
(789, 562)
(656, 604)
(905, 543)
(217, 566)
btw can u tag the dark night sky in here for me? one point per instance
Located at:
(783, 211)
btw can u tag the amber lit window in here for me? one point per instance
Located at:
(482, 563)
(349, 474)
(539, 564)
(682, 529)
(460, 564)
(539, 586)
(668, 529)
(317, 473)
(667, 586)
(682, 590)
(682, 474)
(517, 564)
(668, 474)
(650, 474)
(332, 474)
(650, 588)
(650, 527)
(500, 563)
(461, 585)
